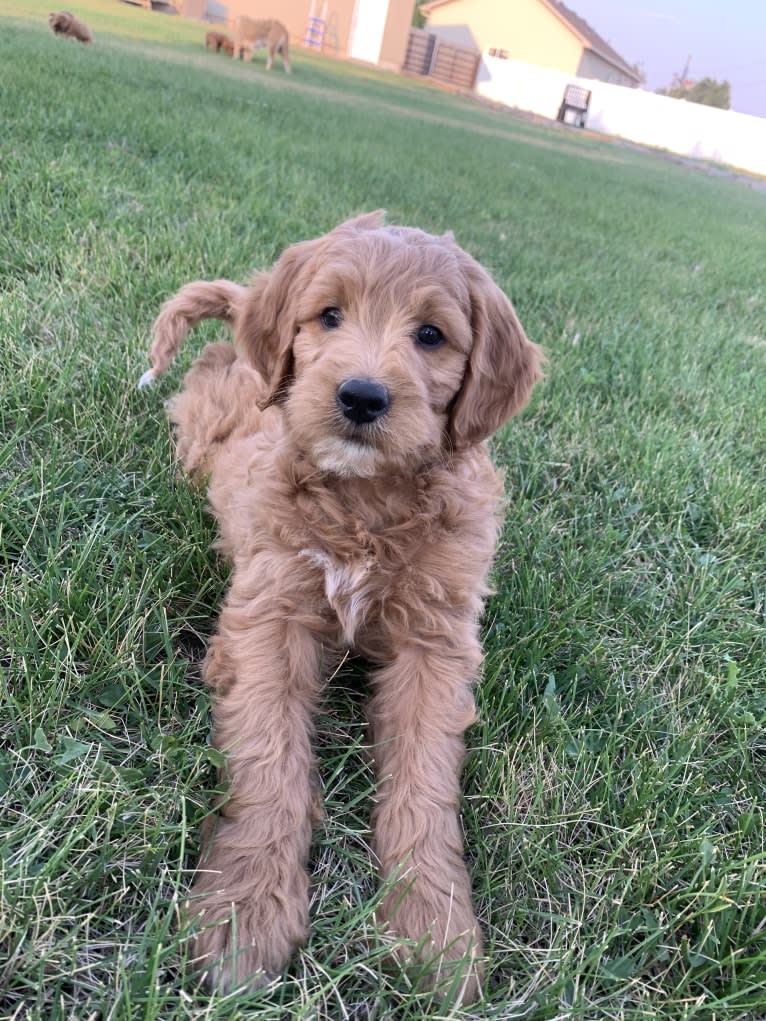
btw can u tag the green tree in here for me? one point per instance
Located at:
(711, 93)
(707, 91)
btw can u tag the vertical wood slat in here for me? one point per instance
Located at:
(428, 56)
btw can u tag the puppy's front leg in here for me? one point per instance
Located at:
(422, 705)
(250, 894)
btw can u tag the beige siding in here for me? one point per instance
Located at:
(525, 29)
(292, 13)
(395, 36)
(340, 15)
(192, 8)
(294, 16)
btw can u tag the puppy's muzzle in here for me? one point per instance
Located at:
(362, 400)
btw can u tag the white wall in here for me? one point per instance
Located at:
(690, 129)
(367, 29)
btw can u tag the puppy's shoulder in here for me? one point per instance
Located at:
(472, 476)
(469, 492)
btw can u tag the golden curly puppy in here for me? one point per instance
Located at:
(66, 24)
(249, 34)
(343, 436)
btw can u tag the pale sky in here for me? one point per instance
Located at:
(724, 38)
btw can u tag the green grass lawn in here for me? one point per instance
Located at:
(615, 788)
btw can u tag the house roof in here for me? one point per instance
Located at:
(588, 36)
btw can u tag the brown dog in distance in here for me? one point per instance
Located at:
(218, 41)
(66, 24)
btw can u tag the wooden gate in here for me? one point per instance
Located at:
(432, 57)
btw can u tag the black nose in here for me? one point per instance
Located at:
(362, 400)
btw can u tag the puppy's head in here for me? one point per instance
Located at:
(386, 347)
(60, 21)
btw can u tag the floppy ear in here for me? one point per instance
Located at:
(503, 366)
(266, 324)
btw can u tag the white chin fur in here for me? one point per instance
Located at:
(147, 379)
(347, 458)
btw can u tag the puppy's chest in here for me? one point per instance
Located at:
(351, 588)
(364, 576)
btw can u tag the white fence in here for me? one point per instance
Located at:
(690, 129)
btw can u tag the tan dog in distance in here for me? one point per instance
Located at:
(343, 439)
(250, 34)
(66, 24)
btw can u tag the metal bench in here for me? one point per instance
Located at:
(576, 98)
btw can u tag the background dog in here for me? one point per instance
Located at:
(218, 41)
(66, 24)
(343, 439)
(250, 34)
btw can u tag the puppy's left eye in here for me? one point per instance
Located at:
(331, 318)
(429, 336)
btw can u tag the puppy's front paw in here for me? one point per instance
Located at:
(442, 946)
(244, 939)
(224, 964)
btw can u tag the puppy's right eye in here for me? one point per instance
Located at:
(331, 318)
(429, 336)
